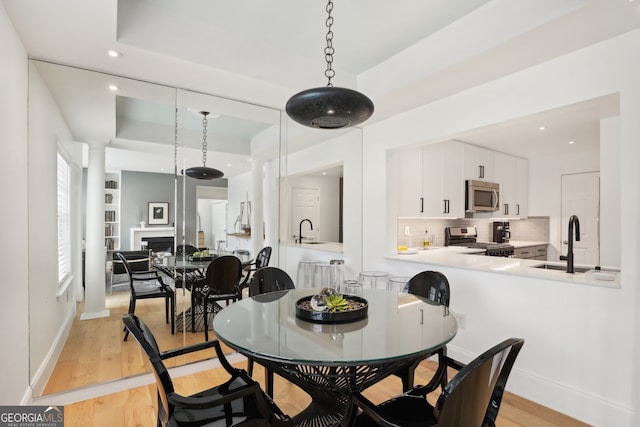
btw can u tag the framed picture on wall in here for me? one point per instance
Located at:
(158, 213)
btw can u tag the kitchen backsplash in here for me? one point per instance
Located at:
(535, 228)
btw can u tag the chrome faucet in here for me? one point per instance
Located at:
(300, 230)
(573, 223)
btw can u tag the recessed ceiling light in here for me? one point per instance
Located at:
(228, 165)
(114, 88)
(571, 142)
(114, 53)
(542, 128)
(324, 173)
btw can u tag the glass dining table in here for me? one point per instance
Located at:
(331, 361)
(188, 273)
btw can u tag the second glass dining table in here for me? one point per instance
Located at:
(330, 361)
(188, 273)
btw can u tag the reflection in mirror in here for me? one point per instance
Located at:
(146, 139)
(316, 196)
(332, 202)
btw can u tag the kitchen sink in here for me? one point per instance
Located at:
(313, 242)
(562, 268)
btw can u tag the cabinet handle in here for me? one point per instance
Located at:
(517, 209)
(480, 171)
(506, 208)
(445, 207)
(421, 204)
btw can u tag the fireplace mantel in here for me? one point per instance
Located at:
(136, 235)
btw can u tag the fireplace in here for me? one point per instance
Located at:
(158, 244)
(139, 234)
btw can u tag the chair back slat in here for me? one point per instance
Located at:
(263, 258)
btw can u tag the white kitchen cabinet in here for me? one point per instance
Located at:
(478, 163)
(512, 174)
(409, 167)
(522, 175)
(452, 192)
(437, 189)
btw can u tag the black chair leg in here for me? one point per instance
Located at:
(250, 367)
(268, 379)
(206, 322)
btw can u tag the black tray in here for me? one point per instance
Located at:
(327, 316)
(200, 258)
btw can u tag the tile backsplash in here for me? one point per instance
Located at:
(535, 228)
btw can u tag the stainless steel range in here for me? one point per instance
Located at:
(468, 237)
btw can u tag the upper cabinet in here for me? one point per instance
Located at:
(512, 173)
(431, 181)
(478, 163)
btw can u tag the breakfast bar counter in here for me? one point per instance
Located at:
(466, 258)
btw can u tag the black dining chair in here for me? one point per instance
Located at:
(265, 280)
(222, 283)
(186, 250)
(262, 260)
(434, 286)
(146, 284)
(238, 401)
(471, 398)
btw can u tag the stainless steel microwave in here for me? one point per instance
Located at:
(481, 196)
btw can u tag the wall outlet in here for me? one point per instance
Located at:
(462, 320)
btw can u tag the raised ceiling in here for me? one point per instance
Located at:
(264, 52)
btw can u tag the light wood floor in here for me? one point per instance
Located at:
(95, 352)
(136, 407)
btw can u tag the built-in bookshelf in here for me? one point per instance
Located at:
(112, 211)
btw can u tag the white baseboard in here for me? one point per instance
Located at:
(44, 371)
(568, 400)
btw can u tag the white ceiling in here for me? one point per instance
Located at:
(264, 52)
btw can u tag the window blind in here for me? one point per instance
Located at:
(64, 221)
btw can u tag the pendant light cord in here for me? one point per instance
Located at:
(204, 137)
(329, 51)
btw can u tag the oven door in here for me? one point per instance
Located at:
(482, 196)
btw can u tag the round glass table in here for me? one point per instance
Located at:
(330, 361)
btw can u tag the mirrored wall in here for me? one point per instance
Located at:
(149, 134)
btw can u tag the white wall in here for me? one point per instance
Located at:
(51, 312)
(545, 197)
(14, 233)
(610, 248)
(581, 341)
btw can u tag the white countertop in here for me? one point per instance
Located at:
(458, 257)
(324, 246)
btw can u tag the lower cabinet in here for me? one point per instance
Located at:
(538, 252)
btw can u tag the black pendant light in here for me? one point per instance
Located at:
(329, 107)
(203, 172)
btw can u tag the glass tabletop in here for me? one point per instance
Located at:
(397, 326)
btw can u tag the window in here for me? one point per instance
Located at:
(64, 221)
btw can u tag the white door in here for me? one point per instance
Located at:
(304, 206)
(581, 197)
